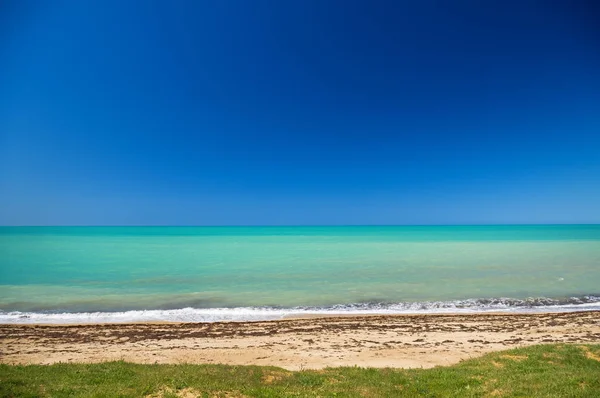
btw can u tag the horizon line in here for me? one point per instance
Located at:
(290, 225)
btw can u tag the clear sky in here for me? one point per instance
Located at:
(299, 112)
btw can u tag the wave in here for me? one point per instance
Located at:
(536, 304)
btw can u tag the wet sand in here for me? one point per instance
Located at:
(307, 343)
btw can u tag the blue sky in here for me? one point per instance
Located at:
(305, 112)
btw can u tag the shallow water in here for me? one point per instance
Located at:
(56, 274)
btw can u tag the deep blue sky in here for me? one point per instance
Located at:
(299, 112)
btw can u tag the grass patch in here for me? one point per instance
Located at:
(558, 370)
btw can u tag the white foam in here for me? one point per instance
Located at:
(263, 314)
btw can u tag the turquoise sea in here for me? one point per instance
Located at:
(114, 274)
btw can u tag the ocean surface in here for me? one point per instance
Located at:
(122, 274)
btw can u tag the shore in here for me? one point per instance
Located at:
(306, 343)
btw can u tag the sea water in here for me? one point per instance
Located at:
(121, 274)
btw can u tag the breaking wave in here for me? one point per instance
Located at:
(538, 304)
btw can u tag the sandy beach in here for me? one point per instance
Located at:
(310, 343)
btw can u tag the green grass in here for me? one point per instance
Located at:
(539, 371)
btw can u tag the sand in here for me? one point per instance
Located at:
(310, 343)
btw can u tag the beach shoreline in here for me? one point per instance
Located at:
(400, 340)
